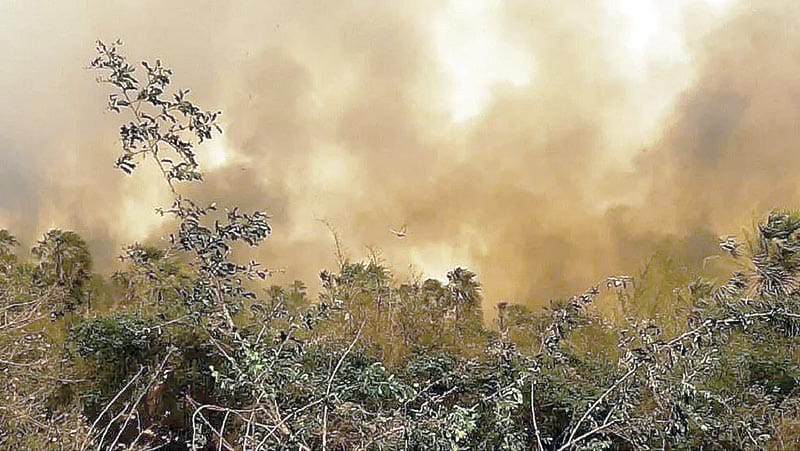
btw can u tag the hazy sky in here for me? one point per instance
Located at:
(543, 144)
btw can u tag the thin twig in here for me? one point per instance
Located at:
(533, 420)
(330, 383)
(571, 439)
(141, 396)
(108, 406)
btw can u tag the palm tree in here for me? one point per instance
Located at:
(64, 260)
(465, 290)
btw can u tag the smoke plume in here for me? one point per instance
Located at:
(542, 144)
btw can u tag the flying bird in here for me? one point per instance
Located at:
(618, 281)
(400, 233)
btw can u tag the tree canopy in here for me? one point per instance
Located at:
(185, 348)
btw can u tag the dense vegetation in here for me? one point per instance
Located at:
(183, 349)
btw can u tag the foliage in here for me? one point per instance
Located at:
(162, 124)
(65, 262)
(193, 355)
(115, 346)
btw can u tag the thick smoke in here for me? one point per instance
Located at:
(341, 114)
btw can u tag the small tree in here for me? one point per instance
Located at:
(64, 261)
(7, 257)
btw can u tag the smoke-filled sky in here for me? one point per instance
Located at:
(542, 144)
